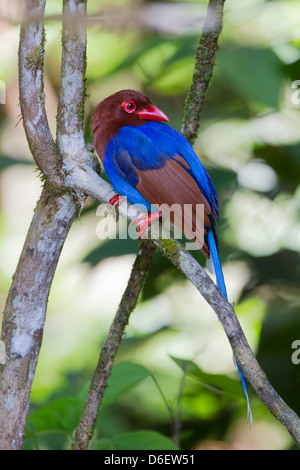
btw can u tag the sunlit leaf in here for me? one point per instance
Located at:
(113, 52)
(176, 78)
(221, 382)
(124, 376)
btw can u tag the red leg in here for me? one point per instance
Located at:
(146, 220)
(116, 201)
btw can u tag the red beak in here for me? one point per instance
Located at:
(153, 114)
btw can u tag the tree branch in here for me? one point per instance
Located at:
(140, 269)
(70, 114)
(72, 94)
(25, 308)
(204, 65)
(32, 96)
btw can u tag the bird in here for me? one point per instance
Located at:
(153, 165)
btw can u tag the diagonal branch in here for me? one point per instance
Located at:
(102, 191)
(140, 269)
(241, 349)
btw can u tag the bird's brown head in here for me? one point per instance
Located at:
(124, 108)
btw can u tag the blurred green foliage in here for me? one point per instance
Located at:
(249, 141)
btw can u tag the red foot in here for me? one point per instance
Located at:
(146, 220)
(116, 201)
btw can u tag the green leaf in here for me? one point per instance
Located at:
(61, 415)
(221, 382)
(261, 79)
(6, 162)
(143, 440)
(175, 78)
(104, 444)
(117, 247)
(124, 376)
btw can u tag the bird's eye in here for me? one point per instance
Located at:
(129, 106)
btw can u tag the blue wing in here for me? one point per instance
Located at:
(148, 147)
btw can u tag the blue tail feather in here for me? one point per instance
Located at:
(221, 284)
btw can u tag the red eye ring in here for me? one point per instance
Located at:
(129, 106)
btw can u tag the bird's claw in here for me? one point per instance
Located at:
(145, 221)
(115, 202)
